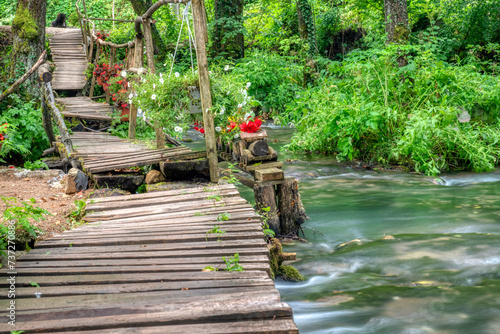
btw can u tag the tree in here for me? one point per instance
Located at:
(307, 29)
(28, 42)
(228, 40)
(396, 21)
(140, 7)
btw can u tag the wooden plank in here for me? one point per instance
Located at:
(218, 252)
(264, 165)
(144, 240)
(275, 326)
(113, 278)
(206, 313)
(57, 291)
(269, 174)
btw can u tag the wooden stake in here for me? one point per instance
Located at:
(132, 120)
(92, 85)
(292, 212)
(265, 197)
(200, 30)
(111, 64)
(148, 39)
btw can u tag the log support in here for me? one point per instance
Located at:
(265, 199)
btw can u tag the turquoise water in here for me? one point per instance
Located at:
(424, 256)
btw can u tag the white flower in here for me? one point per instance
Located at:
(154, 86)
(244, 92)
(228, 92)
(237, 135)
(128, 84)
(218, 129)
(139, 112)
(177, 74)
(249, 84)
(153, 97)
(222, 110)
(209, 72)
(129, 101)
(239, 106)
(247, 115)
(123, 74)
(160, 75)
(226, 68)
(243, 103)
(162, 81)
(130, 95)
(178, 129)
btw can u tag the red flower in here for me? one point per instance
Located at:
(197, 128)
(202, 130)
(251, 126)
(114, 98)
(232, 125)
(1, 137)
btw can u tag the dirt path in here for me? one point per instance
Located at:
(54, 200)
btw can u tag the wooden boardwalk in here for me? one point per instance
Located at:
(137, 268)
(67, 51)
(103, 152)
(84, 107)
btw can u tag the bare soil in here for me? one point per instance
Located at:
(54, 200)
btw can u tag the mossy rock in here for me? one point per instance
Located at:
(291, 274)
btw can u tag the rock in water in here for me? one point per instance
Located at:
(76, 181)
(154, 176)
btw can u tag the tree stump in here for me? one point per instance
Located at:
(259, 148)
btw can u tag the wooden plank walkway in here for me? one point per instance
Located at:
(66, 47)
(103, 152)
(137, 268)
(84, 107)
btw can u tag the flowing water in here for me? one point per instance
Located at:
(424, 255)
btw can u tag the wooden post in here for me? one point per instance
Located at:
(130, 58)
(200, 30)
(92, 85)
(132, 120)
(148, 39)
(111, 64)
(265, 197)
(47, 121)
(292, 213)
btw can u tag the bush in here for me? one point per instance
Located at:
(428, 115)
(27, 138)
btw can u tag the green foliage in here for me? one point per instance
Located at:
(215, 230)
(307, 15)
(223, 216)
(27, 138)
(22, 216)
(371, 109)
(76, 215)
(216, 198)
(233, 263)
(265, 216)
(35, 165)
(275, 79)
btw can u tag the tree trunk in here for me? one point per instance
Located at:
(139, 9)
(28, 29)
(307, 29)
(228, 40)
(396, 21)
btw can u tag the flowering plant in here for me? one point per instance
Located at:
(164, 100)
(3, 131)
(102, 35)
(104, 72)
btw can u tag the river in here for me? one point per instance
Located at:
(436, 271)
(426, 257)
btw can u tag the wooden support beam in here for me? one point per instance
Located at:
(200, 30)
(292, 212)
(132, 122)
(92, 85)
(265, 198)
(111, 64)
(148, 39)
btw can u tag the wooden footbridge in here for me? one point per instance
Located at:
(138, 267)
(158, 262)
